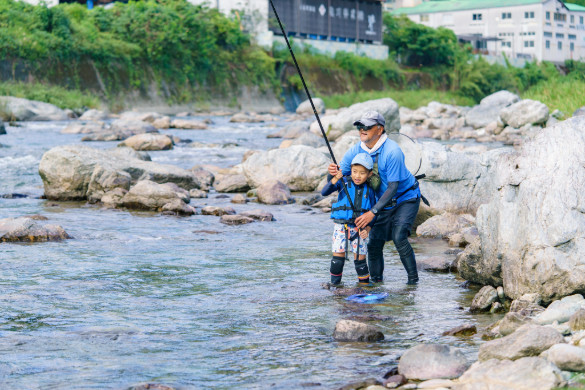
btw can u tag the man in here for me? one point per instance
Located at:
(398, 196)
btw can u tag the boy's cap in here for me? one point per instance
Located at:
(364, 160)
(371, 118)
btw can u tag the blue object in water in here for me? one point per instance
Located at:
(367, 298)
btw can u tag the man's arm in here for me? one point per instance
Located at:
(365, 219)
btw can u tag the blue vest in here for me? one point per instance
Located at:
(361, 197)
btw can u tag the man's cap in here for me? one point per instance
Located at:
(364, 160)
(371, 118)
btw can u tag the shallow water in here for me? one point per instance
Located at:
(189, 302)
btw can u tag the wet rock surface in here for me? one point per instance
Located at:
(347, 330)
(432, 361)
(25, 229)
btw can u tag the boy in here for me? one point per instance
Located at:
(345, 232)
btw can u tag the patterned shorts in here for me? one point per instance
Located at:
(339, 239)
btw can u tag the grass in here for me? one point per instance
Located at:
(59, 96)
(407, 98)
(566, 94)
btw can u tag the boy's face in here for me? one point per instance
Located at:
(359, 174)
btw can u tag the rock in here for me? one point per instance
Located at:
(441, 226)
(274, 192)
(483, 299)
(148, 142)
(299, 167)
(308, 139)
(526, 301)
(103, 180)
(360, 385)
(489, 109)
(258, 215)
(566, 357)
(292, 130)
(326, 202)
(346, 330)
(148, 195)
(561, 310)
(525, 112)
(248, 153)
(66, 171)
(472, 266)
(235, 219)
(528, 340)
(251, 118)
(140, 116)
(239, 199)
(217, 211)
(113, 198)
(342, 122)
(501, 294)
(496, 307)
(436, 384)
(162, 123)
(231, 183)
(197, 194)
(131, 127)
(579, 112)
(394, 381)
(305, 107)
(345, 142)
(204, 176)
(31, 110)
(532, 373)
(461, 330)
(2, 128)
(178, 207)
(577, 320)
(151, 386)
(25, 229)
(511, 322)
(93, 115)
(188, 124)
(84, 128)
(533, 227)
(432, 361)
(435, 264)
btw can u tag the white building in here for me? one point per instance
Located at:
(545, 30)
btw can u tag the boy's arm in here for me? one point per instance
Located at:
(331, 186)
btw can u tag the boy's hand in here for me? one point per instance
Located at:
(332, 169)
(339, 175)
(364, 233)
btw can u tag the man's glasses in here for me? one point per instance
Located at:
(365, 128)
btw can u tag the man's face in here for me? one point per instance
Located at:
(359, 174)
(369, 134)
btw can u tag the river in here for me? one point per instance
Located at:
(186, 301)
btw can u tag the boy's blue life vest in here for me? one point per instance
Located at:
(361, 198)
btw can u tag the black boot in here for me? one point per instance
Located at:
(336, 269)
(400, 238)
(376, 260)
(361, 268)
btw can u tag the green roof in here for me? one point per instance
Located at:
(433, 6)
(575, 7)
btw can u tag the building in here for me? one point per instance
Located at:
(391, 5)
(543, 30)
(327, 25)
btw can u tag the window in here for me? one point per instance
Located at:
(547, 44)
(529, 15)
(424, 18)
(571, 36)
(547, 15)
(506, 15)
(572, 46)
(506, 44)
(560, 45)
(560, 17)
(580, 19)
(476, 16)
(572, 18)
(528, 43)
(560, 36)
(548, 34)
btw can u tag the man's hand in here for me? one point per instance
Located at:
(364, 233)
(332, 169)
(363, 220)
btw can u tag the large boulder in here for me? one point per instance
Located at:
(67, 171)
(344, 143)
(457, 182)
(93, 115)
(533, 230)
(300, 167)
(342, 122)
(579, 111)
(561, 311)
(231, 183)
(528, 340)
(25, 229)
(529, 373)
(484, 299)
(148, 142)
(148, 195)
(442, 226)
(488, 109)
(31, 110)
(432, 361)
(292, 130)
(566, 357)
(273, 192)
(305, 107)
(525, 112)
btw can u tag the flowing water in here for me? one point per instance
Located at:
(186, 301)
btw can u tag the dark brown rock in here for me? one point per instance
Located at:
(259, 215)
(235, 219)
(347, 330)
(394, 381)
(462, 330)
(217, 211)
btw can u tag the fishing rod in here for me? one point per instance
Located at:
(353, 209)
